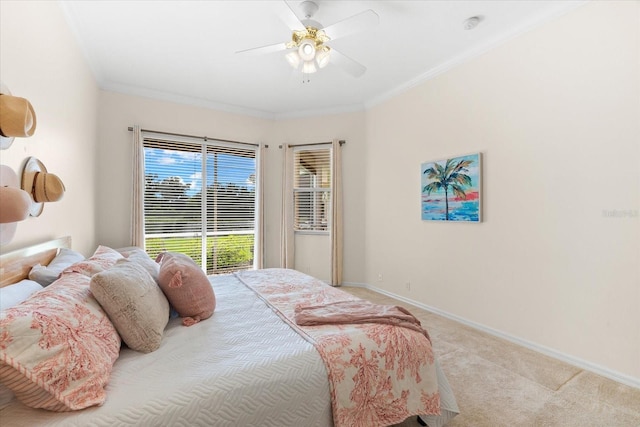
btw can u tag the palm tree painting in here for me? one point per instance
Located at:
(451, 189)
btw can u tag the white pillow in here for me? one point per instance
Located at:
(136, 254)
(14, 294)
(45, 275)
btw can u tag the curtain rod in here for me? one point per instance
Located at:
(341, 142)
(206, 138)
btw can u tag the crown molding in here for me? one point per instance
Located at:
(182, 99)
(534, 22)
(342, 109)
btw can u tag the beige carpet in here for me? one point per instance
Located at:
(498, 383)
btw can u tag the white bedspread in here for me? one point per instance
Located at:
(242, 367)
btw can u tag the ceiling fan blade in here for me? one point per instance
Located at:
(353, 24)
(351, 66)
(264, 49)
(289, 17)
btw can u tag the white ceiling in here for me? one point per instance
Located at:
(185, 51)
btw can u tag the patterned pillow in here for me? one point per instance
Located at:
(186, 286)
(6, 396)
(103, 258)
(134, 302)
(58, 347)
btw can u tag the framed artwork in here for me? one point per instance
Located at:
(451, 189)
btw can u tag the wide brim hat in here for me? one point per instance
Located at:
(47, 187)
(41, 185)
(14, 204)
(5, 141)
(8, 178)
(17, 118)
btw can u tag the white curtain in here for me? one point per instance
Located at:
(258, 252)
(287, 258)
(336, 215)
(137, 208)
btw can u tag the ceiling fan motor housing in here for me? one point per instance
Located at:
(312, 34)
(309, 8)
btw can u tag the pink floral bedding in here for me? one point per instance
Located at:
(358, 311)
(379, 374)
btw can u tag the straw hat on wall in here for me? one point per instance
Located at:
(14, 204)
(17, 118)
(43, 186)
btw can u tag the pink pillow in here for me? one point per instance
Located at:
(186, 287)
(58, 347)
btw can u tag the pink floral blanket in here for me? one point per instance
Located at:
(359, 311)
(379, 373)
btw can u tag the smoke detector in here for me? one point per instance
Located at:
(471, 23)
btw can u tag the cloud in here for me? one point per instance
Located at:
(166, 160)
(196, 179)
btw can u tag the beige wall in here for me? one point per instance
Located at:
(117, 112)
(312, 251)
(555, 114)
(40, 61)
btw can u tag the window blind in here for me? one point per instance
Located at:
(312, 189)
(200, 200)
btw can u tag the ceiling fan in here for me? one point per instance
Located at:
(309, 48)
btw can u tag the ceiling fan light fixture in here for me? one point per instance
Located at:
(322, 57)
(309, 67)
(307, 50)
(293, 59)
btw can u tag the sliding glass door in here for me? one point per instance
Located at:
(200, 199)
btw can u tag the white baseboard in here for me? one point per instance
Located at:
(577, 362)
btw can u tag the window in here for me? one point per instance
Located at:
(312, 189)
(200, 200)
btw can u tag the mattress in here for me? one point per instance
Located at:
(244, 366)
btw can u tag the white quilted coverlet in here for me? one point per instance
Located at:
(242, 367)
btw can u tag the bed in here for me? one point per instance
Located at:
(248, 364)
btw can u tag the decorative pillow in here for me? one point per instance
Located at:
(58, 347)
(136, 254)
(6, 396)
(103, 258)
(186, 286)
(14, 294)
(134, 302)
(45, 275)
